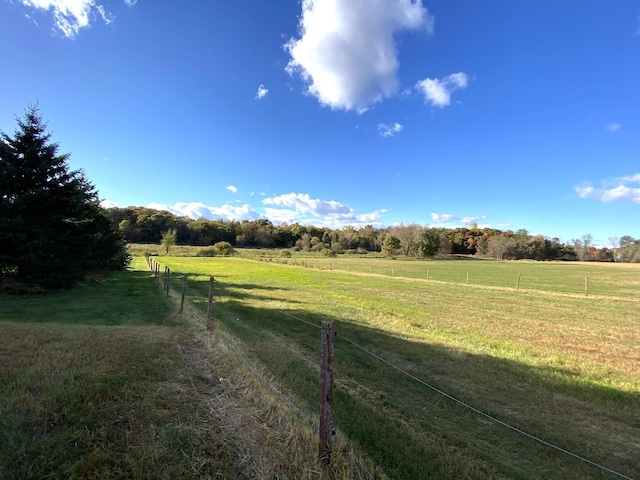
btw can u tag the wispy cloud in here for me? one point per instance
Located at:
(262, 92)
(200, 210)
(438, 91)
(446, 219)
(232, 188)
(70, 16)
(107, 17)
(612, 127)
(347, 54)
(389, 130)
(625, 188)
(301, 208)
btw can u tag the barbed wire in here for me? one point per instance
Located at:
(468, 406)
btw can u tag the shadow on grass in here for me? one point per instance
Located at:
(197, 284)
(121, 298)
(412, 431)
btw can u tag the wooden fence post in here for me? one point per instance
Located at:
(427, 274)
(184, 291)
(326, 394)
(518, 282)
(210, 304)
(467, 277)
(586, 285)
(166, 282)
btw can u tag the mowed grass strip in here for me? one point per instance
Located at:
(93, 384)
(619, 280)
(563, 367)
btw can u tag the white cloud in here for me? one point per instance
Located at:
(107, 17)
(108, 204)
(231, 188)
(70, 16)
(347, 54)
(200, 210)
(290, 208)
(389, 130)
(612, 127)
(453, 220)
(438, 91)
(301, 208)
(613, 190)
(262, 92)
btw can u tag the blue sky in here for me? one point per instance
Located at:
(509, 114)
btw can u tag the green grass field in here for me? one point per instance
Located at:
(87, 377)
(108, 381)
(545, 358)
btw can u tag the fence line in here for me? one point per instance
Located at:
(466, 280)
(466, 405)
(154, 266)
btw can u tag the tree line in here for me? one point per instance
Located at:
(146, 225)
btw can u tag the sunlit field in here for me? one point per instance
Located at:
(546, 358)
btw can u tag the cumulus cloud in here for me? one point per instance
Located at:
(438, 91)
(347, 54)
(289, 208)
(301, 208)
(454, 220)
(625, 188)
(231, 188)
(262, 92)
(70, 16)
(612, 127)
(108, 204)
(389, 130)
(200, 210)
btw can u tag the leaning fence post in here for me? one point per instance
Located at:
(326, 394)
(184, 291)
(518, 282)
(210, 304)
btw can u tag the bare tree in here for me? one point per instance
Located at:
(407, 233)
(499, 245)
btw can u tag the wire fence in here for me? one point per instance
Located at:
(618, 281)
(156, 268)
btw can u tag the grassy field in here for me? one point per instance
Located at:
(107, 382)
(545, 359)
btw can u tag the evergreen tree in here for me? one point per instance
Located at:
(52, 228)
